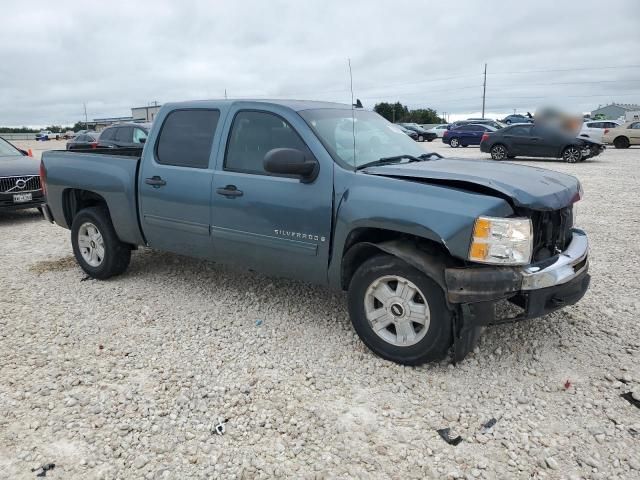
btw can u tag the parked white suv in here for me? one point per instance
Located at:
(594, 129)
(439, 129)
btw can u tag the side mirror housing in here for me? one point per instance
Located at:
(290, 161)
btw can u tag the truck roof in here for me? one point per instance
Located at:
(296, 105)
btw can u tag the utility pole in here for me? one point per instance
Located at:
(85, 116)
(484, 88)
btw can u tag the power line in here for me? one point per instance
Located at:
(566, 69)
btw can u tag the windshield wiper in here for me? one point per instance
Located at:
(398, 158)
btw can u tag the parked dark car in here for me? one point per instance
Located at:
(538, 141)
(422, 133)
(466, 135)
(83, 141)
(516, 118)
(19, 179)
(124, 135)
(411, 133)
(491, 123)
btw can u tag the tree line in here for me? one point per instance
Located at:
(397, 112)
(53, 128)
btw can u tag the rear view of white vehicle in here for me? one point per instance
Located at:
(595, 129)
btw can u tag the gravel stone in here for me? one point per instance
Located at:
(126, 378)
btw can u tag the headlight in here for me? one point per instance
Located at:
(505, 241)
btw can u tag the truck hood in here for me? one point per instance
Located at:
(525, 187)
(18, 165)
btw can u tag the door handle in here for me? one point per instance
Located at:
(230, 191)
(155, 181)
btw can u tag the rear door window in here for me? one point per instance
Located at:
(108, 134)
(186, 138)
(520, 131)
(124, 135)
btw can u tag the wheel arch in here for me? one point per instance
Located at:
(74, 200)
(426, 255)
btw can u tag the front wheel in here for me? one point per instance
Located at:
(454, 143)
(97, 248)
(399, 312)
(572, 154)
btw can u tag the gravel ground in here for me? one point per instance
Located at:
(127, 378)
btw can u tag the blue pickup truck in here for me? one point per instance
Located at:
(425, 246)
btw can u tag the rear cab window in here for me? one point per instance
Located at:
(186, 138)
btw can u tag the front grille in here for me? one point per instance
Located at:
(28, 183)
(551, 232)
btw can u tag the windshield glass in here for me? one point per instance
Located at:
(8, 150)
(375, 137)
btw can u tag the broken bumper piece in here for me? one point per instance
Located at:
(535, 290)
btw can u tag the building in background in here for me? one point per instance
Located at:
(138, 114)
(99, 124)
(145, 114)
(614, 111)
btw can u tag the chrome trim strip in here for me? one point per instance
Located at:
(175, 224)
(563, 269)
(284, 244)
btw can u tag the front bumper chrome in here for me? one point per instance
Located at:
(567, 266)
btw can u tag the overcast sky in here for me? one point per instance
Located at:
(55, 55)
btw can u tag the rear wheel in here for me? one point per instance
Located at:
(498, 152)
(621, 142)
(508, 122)
(97, 248)
(399, 312)
(572, 154)
(454, 142)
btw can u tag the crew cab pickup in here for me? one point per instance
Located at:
(425, 246)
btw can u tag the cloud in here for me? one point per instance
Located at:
(119, 54)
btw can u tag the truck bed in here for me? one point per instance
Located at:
(110, 173)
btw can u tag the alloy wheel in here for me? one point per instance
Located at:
(397, 311)
(91, 244)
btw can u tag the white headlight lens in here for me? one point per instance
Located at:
(506, 241)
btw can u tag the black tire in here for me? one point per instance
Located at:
(437, 340)
(498, 151)
(454, 142)
(572, 154)
(117, 254)
(621, 142)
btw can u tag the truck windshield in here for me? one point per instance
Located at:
(8, 150)
(375, 137)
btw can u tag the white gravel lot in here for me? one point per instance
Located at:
(125, 378)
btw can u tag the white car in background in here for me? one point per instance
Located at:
(439, 129)
(594, 129)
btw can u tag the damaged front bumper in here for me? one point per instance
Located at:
(535, 290)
